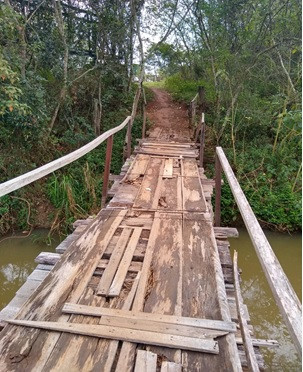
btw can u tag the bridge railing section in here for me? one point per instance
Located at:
(34, 175)
(284, 294)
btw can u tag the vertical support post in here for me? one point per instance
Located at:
(201, 93)
(108, 158)
(218, 177)
(129, 137)
(144, 120)
(202, 141)
(190, 113)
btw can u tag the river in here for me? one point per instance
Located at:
(17, 262)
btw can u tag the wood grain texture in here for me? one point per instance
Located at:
(148, 317)
(110, 271)
(201, 291)
(68, 280)
(145, 197)
(146, 361)
(192, 192)
(127, 354)
(120, 276)
(125, 334)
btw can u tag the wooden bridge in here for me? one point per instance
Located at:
(149, 283)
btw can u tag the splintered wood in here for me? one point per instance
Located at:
(141, 288)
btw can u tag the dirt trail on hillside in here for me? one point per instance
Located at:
(165, 113)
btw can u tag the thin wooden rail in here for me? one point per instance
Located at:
(36, 174)
(284, 294)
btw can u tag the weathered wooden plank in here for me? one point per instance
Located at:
(168, 168)
(152, 318)
(226, 232)
(67, 281)
(120, 276)
(48, 258)
(171, 367)
(146, 361)
(248, 346)
(113, 347)
(259, 342)
(146, 194)
(164, 294)
(110, 271)
(192, 193)
(36, 174)
(127, 354)
(203, 293)
(169, 194)
(283, 292)
(138, 168)
(125, 334)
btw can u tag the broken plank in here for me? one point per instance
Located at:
(259, 342)
(125, 334)
(110, 271)
(226, 232)
(146, 361)
(137, 168)
(171, 367)
(113, 347)
(120, 276)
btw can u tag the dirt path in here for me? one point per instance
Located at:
(165, 113)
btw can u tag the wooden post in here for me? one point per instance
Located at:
(144, 113)
(129, 137)
(108, 158)
(144, 120)
(201, 93)
(202, 140)
(218, 177)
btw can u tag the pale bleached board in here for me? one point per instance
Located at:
(146, 361)
(151, 317)
(110, 271)
(168, 168)
(125, 334)
(63, 283)
(171, 367)
(120, 276)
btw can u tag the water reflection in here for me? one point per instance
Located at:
(17, 261)
(264, 313)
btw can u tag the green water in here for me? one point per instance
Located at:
(17, 262)
(264, 314)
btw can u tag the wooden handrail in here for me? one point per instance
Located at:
(284, 294)
(36, 174)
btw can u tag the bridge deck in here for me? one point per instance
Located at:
(153, 249)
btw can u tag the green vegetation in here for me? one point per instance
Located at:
(66, 74)
(248, 58)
